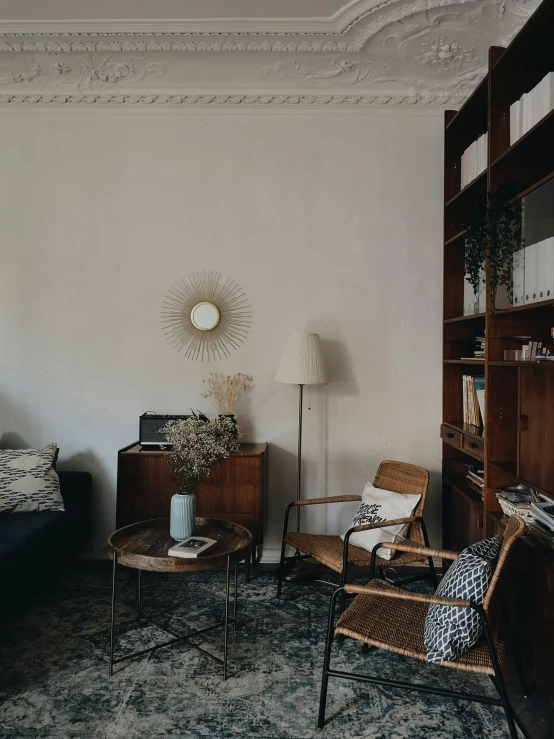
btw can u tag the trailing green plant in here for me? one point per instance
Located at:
(506, 237)
(493, 234)
(476, 244)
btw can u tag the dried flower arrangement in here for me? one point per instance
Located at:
(225, 390)
(198, 445)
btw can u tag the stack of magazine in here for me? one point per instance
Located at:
(517, 501)
(475, 478)
(542, 523)
(536, 510)
(474, 399)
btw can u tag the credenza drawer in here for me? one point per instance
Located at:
(475, 446)
(451, 436)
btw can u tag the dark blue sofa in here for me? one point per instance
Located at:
(34, 545)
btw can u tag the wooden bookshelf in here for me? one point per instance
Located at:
(516, 444)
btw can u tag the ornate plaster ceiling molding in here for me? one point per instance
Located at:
(338, 24)
(281, 101)
(400, 51)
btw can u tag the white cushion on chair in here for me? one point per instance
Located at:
(382, 505)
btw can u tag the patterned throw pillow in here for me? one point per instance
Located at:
(28, 482)
(382, 505)
(449, 631)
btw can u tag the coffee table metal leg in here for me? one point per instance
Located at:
(225, 636)
(139, 609)
(235, 596)
(113, 613)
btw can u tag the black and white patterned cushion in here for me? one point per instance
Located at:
(28, 482)
(450, 632)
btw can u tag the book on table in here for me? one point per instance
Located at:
(191, 547)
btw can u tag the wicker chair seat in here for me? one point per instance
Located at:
(397, 626)
(329, 551)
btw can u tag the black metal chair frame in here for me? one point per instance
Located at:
(344, 577)
(498, 680)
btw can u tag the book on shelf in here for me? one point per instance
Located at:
(473, 399)
(478, 345)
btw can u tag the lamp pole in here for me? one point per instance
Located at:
(299, 470)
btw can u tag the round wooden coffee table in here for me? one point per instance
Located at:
(144, 545)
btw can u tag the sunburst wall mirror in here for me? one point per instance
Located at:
(206, 315)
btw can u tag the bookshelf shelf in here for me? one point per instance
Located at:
(509, 468)
(527, 307)
(534, 365)
(465, 318)
(456, 237)
(465, 361)
(519, 396)
(537, 138)
(533, 187)
(461, 486)
(476, 188)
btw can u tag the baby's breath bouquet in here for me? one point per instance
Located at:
(197, 446)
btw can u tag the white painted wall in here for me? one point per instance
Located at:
(331, 222)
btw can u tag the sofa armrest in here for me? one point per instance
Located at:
(76, 488)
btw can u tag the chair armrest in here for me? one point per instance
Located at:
(405, 595)
(427, 551)
(379, 525)
(75, 487)
(368, 527)
(331, 499)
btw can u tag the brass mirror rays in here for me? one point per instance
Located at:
(194, 293)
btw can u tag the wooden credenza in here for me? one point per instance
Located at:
(236, 489)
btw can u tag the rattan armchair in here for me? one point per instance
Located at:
(332, 552)
(389, 618)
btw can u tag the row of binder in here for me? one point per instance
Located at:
(531, 108)
(533, 273)
(474, 160)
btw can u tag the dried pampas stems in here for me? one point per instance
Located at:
(225, 390)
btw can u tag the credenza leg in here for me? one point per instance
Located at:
(112, 622)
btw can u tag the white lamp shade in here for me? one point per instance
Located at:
(301, 363)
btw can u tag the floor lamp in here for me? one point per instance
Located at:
(301, 364)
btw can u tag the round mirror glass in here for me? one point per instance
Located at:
(204, 316)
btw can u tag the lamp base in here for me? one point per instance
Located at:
(299, 570)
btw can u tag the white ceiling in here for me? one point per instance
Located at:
(165, 9)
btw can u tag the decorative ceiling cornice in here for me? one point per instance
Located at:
(330, 101)
(403, 51)
(336, 25)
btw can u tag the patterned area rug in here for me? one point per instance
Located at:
(54, 669)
